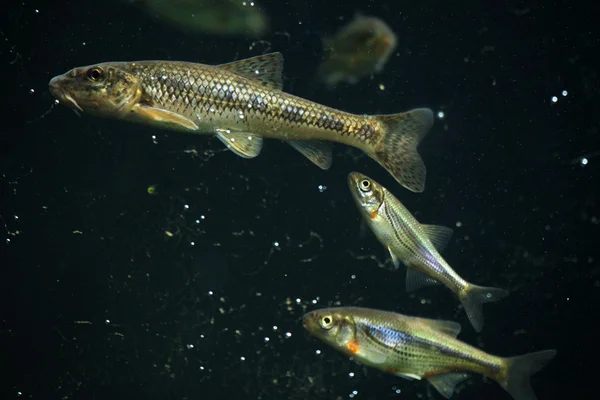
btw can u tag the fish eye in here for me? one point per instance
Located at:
(94, 74)
(365, 185)
(327, 322)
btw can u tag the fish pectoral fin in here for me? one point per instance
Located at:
(372, 355)
(317, 151)
(246, 145)
(165, 117)
(266, 69)
(438, 235)
(449, 328)
(445, 383)
(416, 280)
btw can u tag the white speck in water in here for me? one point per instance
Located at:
(107, 321)
(322, 188)
(210, 292)
(190, 346)
(37, 11)
(16, 217)
(554, 99)
(276, 244)
(243, 3)
(288, 334)
(56, 101)
(192, 244)
(197, 221)
(458, 224)
(584, 161)
(353, 276)
(202, 217)
(83, 43)
(440, 114)
(318, 352)
(488, 295)
(274, 327)
(564, 93)
(351, 374)
(256, 72)
(243, 358)
(201, 368)
(249, 137)
(314, 302)
(187, 207)
(298, 300)
(232, 139)
(251, 4)
(267, 339)
(32, 90)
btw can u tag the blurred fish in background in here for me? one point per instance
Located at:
(358, 49)
(217, 17)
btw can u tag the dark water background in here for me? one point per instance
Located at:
(98, 302)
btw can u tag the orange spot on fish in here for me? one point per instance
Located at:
(374, 215)
(353, 346)
(440, 371)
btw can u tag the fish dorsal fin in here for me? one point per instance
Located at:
(449, 328)
(317, 151)
(266, 69)
(416, 280)
(445, 383)
(438, 235)
(246, 145)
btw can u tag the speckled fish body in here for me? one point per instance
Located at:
(240, 103)
(419, 348)
(417, 246)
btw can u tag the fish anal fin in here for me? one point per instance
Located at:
(446, 382)
(398, 150)
(416, 280)
(165, 117)
(266, 69)
(438, 235)
(317, 151)
(246, 145)
(449, 328)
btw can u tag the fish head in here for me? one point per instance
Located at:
(104, 89)
(330, 325)
(368, 194)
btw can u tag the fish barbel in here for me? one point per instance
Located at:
(420, 348)
(417, 246)
(242, 102)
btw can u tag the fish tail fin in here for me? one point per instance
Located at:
(398, 151)
(519, 369)
(473, 298)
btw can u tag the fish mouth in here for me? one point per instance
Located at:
(62, 95)
(353, 179)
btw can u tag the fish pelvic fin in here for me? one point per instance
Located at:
(518, 371)
(473, 297)
(398, 150)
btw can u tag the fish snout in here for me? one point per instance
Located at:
(55, 87)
